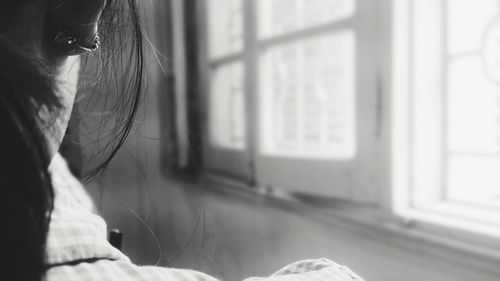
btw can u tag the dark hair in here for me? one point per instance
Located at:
(25, 185)
(119, 65)
(27, 89)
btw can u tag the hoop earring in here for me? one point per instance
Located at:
(70, 42)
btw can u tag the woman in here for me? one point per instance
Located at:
(49, 232)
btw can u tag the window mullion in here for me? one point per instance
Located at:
(250, 56)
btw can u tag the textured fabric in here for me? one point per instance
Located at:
(78, 250)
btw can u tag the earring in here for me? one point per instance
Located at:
(70, 42)
(94, 45)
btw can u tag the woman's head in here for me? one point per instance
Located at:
(39, 78)
(59, 34)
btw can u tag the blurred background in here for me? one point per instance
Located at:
(364, 131)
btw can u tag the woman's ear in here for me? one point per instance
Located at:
(72, 26)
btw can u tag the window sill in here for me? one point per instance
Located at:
(413, 230)
(469, 224)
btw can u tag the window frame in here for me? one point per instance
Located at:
(370, 102)
(432, 209)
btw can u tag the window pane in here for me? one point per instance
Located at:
(307, 98)
(278, 17)
(473, 119)
(474, 179)
(227, 107)
(473, 109)
(466, 22)
(225, 27)
(456, 67)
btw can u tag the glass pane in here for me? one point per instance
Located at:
(457, 63)
(227, 107)
(225, 27)
(466, 23)
(473, 109)
(278, 17)
(307, 98)
(473, 119)
(474, 178)
(473, 134)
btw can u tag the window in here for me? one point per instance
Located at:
(227, 107)
(447, 112)
(307, 86)
(225, 27)
(282, 93)
(227, 99)
(296, 88)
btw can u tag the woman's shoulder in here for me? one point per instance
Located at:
(66, 185)
(76, 232)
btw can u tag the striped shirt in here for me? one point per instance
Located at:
(78, 249)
